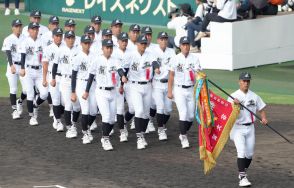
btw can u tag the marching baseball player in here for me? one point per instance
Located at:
(116, 28)
(11, 46)
(50, 53)
(159, 84)
(47, 38)
(105, 68)
(31, 67)
(243, 133)
(96, 44)
(70, 25)
(141, 65)
(35, 17)
(96, 22)
(134, 32)
(64, 63)
(180, 87)
(80, 74)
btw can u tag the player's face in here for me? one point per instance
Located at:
(57, 39)
(35, 19)
(34, 32)
(70, 28)
(107, 37)
(185, 48)
(107, 51)
(141, 47)
(162, 42)
(52, 26)
(116, 29)
(149, 38)
(134, 35)
(96, 26)
(70, 41)
(17, 29)
(244, 85)
(91, 35)
(86, 46)
(123, 44)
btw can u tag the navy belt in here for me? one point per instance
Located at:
(141, 83)
(37, 67)
(66, 76)
(247, 124)
(161, 80)
(17, 63)
(106, 88)
(184, 86)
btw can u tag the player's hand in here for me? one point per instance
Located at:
(85, 95)
(22, 72)
(12, 69)
(73, 97)
(157, 71)
(124, 79)
(170, 95)
(121, 90)
(236, 101)
(264, 121)
(45, 83)
(53, 82)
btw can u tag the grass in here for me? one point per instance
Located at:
(272, 82)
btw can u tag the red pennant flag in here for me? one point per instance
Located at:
(147, 73)
(191, 73)
(113, 79)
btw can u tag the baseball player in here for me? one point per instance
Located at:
(134, 32)
(35, 17)
(141, 65)
(64, 63)
(49, 56)
(81, 65)
(96, 44)
(243, 133)
(105, 68)
(70, 25)
(31, 67)
(11, 46)
(181, 82)
(159, 84)
(116, 28)
(96, 22)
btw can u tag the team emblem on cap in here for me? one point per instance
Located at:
(58, 30)
(70, 21)
(97, 19)
(109, 42)
(143, 38)
(54, 18)
(17, 21)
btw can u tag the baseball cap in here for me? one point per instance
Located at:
(245, 76)
(146, 30)
(107, 42)
(89, 29)
(123, 36)
(16, 22)
(69, 34)
(116, 22)
(96, 19)
(53, 19)
(33, 25)
(86, 39)
(69, 22)
(162, 35)
(35, 14)
(184, 40)
(57, 31)
(134, 27)
(142, 39)
(106, 32)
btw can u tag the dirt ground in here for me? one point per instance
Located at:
(39, 156)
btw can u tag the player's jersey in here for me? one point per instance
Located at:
(131, 45)
(50, 55)
(122, 56)
(12, 43)
(96, 47)
(33, 50)
(185, 68)
(152, 47)
(98, 36)
(252, 101)
(64, 59)
(82, 64)
(140, 66)
(47, 39)
(42, 30)
(106, 71)
(114, 40)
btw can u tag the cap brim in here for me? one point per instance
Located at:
(15, 25)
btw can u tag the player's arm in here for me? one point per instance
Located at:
(22, 62)
(170, 84)
(9, 58)
(54, 72)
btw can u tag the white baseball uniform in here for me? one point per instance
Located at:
(47, 39)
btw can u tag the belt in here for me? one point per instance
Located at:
(86, 80)
(17, 63)
(57, 74)
(185, 87)
(66, 76)
(161, 80)
(247, 124)
(106, 88)
(141, 83)
(37, 67)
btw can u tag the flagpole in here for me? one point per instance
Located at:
(249, 111)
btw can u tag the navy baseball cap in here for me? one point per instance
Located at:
(184, 40)
(116, 22)
(107, 42)
(33, 25)
(86, 39)
(35, 14)
(245, 76)
(134, 27)
(16, 23)
(57, 31)
(89, 30)
(96, 19)
(162, 35)
(123, 36)
(69, 22)
(146, 30)
(142, 39)
(106, 32)
(53, 20)
(69, 34)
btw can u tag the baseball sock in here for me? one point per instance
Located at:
(138, 125)
(144, 124)
(56, 111)
(247, 164)
(67, 117)
(106, 128)
(61, 109)
(241, 162)
(182, 127)
(120, 121)
(49, 98)
(84, 122)
(13, 101)
(75, 116)
(152, 112)
(166, 118)
(128, 116)
(91, 119)
(160, 119)
(188, 125)
(22, 96)
(39, 101)
(30, 106)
